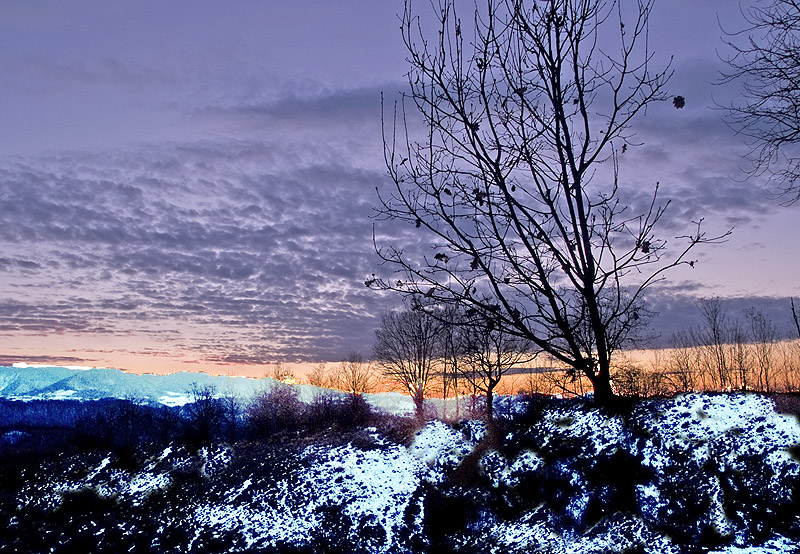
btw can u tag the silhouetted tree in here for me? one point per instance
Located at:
(765, 59)
(681, 375)
(451, 360)
(283, 373)
(487, 354)
(515, 175)
(232, 416)
(407, 351)
(764, 336)
(713, 338)
(741, 356)
(205, 413)
(354, 375)
(276, 410)
(321, 376)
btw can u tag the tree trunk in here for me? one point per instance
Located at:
(419, 404)
(603, 393)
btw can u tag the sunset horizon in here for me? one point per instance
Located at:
(196, 191)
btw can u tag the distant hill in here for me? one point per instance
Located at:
(37, 382)
(28, 382)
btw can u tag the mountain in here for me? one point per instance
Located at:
(27, 382)
(35, 382)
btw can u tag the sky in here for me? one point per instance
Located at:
(191, 185)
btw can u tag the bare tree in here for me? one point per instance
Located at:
(354, 375)
(764, 336)
(712, 338)
(515, 177)
(407, 351)
(233, 411)
(740, 354)
(321, 376)
(633, 378)
(681, 375)
(795, 318)
(766, 60)
(205, 413)
(487, 354)
(451, 362)
(283, 373)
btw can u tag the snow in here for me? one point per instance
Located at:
(697, 465)
(60, 394)
(372, 488)
(441, 448)
(173, 399)
(502, 474)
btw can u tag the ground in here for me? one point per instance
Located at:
(715, 473)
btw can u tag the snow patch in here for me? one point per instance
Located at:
(441, 448)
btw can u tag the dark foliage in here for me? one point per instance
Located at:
(278, 410)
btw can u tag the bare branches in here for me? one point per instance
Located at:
(354, 375)
(514, 177)
(407, 351)
(765, 59)
(486, 355)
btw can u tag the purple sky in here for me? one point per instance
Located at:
(187, 184)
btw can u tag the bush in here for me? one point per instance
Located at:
(277, 410)
(205, 415)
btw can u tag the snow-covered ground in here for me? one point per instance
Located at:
(716, 473)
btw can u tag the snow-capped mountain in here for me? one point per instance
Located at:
(30, 382)
(24, 382)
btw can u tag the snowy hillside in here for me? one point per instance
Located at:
(711, 473)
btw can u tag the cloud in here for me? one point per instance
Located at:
(217, 236)
(239, 227)
(314, 106)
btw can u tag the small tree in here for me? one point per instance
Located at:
(741, 354)
(355, 376)
(713, 338)
(205, 413)
(764, 336)
(321, 376)
(515, 178)
(276, 410)
(407, 351)
(682, 363)
(451, 366)
(283, 373)
(232, 415)
(765, 59)
(487, 355)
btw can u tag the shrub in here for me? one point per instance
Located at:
(205, 416)
(275, 411)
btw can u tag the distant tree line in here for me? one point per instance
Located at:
(125, 425)
(721, 353)
(425, 350)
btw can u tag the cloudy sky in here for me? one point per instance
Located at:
(189, 184)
